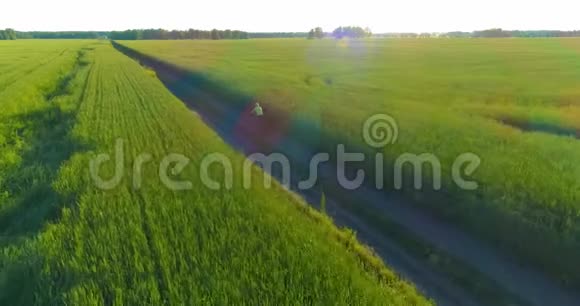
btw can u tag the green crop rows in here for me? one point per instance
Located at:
(63, 241)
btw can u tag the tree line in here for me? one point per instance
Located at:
(490, 33)
(158, 34)
(318, 33)
(162, 34)
(278, 35)
(500, 33)
(544, 33)
(351, 32)
(60, 35)
(315, 33)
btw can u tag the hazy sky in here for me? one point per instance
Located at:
(297, 15)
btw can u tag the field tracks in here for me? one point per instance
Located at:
(23, 73)
(156, 256)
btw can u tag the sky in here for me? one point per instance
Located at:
(292, 16)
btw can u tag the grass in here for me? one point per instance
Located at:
(65, 241)
(513, 102)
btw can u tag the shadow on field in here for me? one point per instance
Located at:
(531, 126)
(28, 200)
(32, 200)
(43, 136)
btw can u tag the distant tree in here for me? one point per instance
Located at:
(457, 34)
(227, 34)
(351, 32)
(492, 33)
(11, 34)
(318, 33)
(196, 34)
(368, 32)
(8, 34)
(163, 34)
(278, 35)
(215, 34)
(147, 34)
(338, 33)
(174, 35)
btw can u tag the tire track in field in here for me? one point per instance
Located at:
(162, 287)
(141, 104)
(26, 73)
(106, 111)
(129, 93)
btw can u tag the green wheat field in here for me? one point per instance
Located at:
(515, 103)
